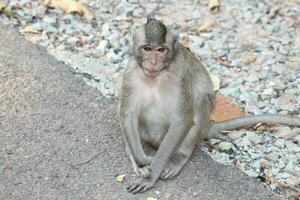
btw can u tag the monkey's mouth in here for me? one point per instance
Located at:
(151, 73)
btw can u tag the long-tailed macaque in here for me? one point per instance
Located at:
(166, 101)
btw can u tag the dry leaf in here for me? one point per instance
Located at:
(214, 5)
(30, 29)
(271, 179)
(70, 6)
(222, 61)
(185, 41)
(207, 26)
(226, 109)
(2, 5)
(216, 81)
(248, 59)
(239, 165)
(120, 178)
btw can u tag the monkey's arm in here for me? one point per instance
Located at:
(132, 137)
(176, 133)
(129, 125)
(217, 127)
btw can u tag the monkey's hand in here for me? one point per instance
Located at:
(144, 171)
(142, 184)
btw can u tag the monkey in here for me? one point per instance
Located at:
(166, 100)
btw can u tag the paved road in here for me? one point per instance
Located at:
(60, 139)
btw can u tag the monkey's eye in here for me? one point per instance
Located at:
(161, 49)
(147, 48)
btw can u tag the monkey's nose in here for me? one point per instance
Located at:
(153, 61)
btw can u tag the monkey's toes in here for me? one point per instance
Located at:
(141, 185)
(170, 172)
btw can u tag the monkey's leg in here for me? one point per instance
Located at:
(182, 155)
(196, 132)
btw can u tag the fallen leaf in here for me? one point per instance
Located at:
(2, 5)
(248, 59)
(264, 127)
(224, 62)
(120, 178)
(185, 41)
(6, 10)
(225, 109)
(214, 5)
(225, 146)
(239, 165)
(30, 29)
(70, 6)
(207, 26)
(271, 179)
(216, 81)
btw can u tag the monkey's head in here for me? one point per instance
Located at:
(154, 47)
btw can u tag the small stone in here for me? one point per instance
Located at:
(105, 30)
(285, 40)
(273, 156)
(264, 163)
(256, 165)
(280, 164)
(290, 167)
(49, 20)
(256, 68)
(102, 46)
(273, 186)
(268, 91)
(50, 29)
(168, 195)
(280, 143)
(251, 173)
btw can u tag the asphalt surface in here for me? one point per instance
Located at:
(59, 139)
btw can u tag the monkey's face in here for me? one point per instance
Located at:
(153, 59)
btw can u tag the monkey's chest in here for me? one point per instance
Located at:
(155, 117)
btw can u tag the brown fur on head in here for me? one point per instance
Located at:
(154, 47)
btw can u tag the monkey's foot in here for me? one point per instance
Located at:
(171, 170)
(141, 185)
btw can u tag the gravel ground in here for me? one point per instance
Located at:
(252, 46)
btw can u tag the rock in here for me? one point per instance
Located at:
(273, 156)
(264, 163)
(105, 30)
(102, 46)
(280, 143)
(285, 40)
(49, 20)
(251, 173)
(273, 186)
(290, 167)
(268, 91)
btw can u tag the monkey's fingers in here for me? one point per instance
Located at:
(144, 171)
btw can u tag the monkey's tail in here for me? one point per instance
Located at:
(217, 127)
